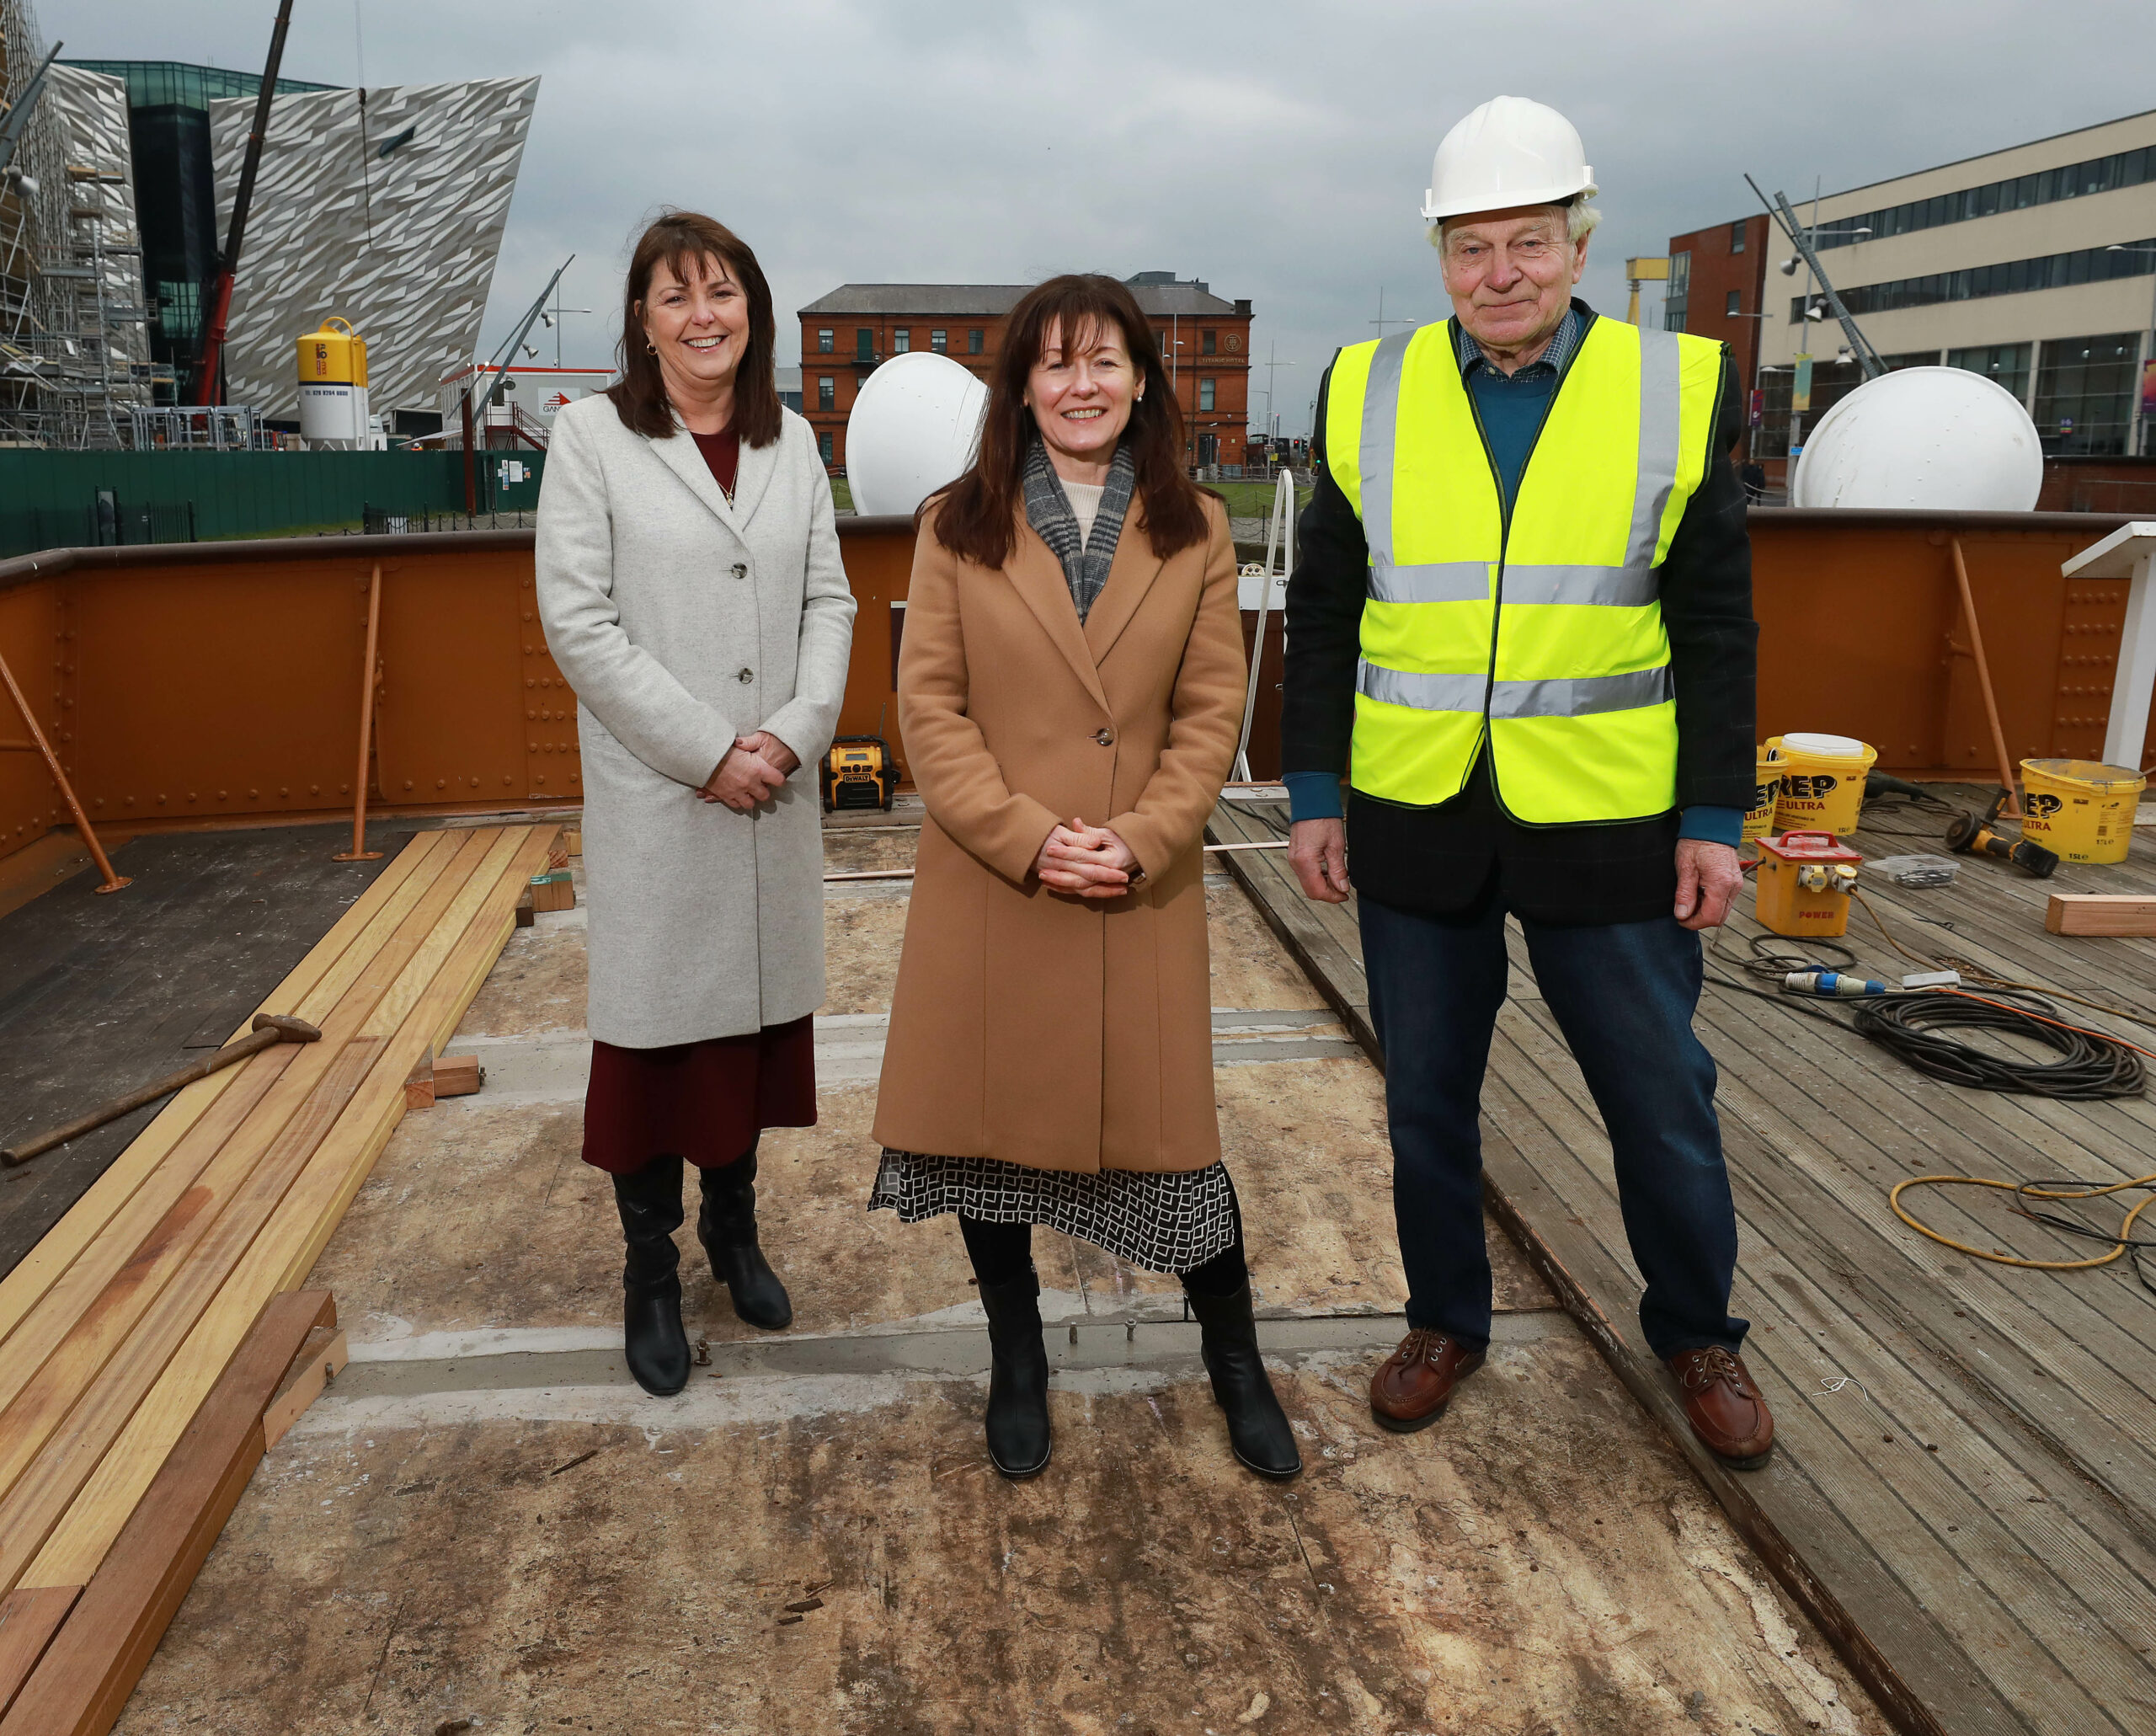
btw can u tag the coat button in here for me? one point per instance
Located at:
(740, 570)
(746, 676)
(1105, 737)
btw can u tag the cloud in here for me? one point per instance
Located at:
(1278, 151)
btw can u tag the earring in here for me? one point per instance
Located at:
(650, 348)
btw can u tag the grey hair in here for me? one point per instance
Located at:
(1581, 215)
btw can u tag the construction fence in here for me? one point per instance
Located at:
(51, 500)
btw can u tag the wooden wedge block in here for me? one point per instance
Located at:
(321, 1360)
(573, 840)
(419, 1091)
(524, 910)
(28, 1621)
(458, 1075)
(553, 891)
(2100, 913)
(90, 1668)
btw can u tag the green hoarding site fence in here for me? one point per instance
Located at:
(76, 499)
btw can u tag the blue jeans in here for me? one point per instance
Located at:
(1624, 995)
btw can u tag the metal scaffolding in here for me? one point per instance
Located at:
(74, 355)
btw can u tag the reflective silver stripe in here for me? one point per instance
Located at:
(1423, 692)
(1380, 418)
(1577, 697)
(1662, 427)
(1434, 582)
(1582, 696)
(1614, 587)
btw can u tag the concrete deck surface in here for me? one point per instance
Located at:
(484, 1526)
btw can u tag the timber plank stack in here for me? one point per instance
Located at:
(147, 1337)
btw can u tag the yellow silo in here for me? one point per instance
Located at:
(333, 381)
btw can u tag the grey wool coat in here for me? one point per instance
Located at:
(683, 621)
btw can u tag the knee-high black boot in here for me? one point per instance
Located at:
(727, 1227)
(1019, 1444)
(650, 1204)
(1257, 1428)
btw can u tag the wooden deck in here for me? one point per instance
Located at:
(1964, 1491)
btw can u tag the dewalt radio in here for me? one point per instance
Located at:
(860, 772)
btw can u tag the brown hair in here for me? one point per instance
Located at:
(975, 517)
(683, 239)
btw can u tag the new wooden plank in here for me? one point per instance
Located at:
(68, 1454)
(109, 1312)
(321, 1360)
(87, 1674)
(106, 992)
(126, 1251)
(424, 1007)
(28, 1621)
(60, 1245)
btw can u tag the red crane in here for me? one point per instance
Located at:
(209, 384)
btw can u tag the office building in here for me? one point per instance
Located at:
(2035, 265)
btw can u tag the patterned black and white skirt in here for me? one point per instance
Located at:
(1163, 1223)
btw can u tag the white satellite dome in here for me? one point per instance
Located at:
(915, 426)
(1933, 439)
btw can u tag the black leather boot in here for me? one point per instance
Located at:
(1018, 1441)
(650, 1204)
(1257, 1428)
(727, 1228)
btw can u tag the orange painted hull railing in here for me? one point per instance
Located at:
(112, 882)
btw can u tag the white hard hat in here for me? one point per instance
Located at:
(1509, 152)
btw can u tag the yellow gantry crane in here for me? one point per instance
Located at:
(1637, 272)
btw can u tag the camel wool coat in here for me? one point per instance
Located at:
(1029, 1026)
(683, 620)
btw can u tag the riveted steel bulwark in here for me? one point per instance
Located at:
(38, 743)
(210, 683)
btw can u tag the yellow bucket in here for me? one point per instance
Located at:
(1765, 787)
(1822, 781)
(2080, 808)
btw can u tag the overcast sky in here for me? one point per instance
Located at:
(1278, 151)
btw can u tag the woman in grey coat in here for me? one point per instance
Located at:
(689, 578)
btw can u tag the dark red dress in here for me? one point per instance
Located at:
(705, 1101)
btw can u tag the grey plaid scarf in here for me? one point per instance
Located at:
(1086, 561)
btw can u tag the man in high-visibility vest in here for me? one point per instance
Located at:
(1522, 625)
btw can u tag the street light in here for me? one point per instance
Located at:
(1789, 267)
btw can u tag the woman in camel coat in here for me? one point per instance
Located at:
(1070, 707)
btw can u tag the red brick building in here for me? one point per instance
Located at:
(1717, 288)
(847, 334)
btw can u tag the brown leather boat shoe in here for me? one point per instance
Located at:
(1724, 1408)
(1413, 1385)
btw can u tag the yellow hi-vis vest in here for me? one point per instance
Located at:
(1544, 629)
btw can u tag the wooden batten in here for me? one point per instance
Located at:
(2100, 913)
(29, 1619)
(91, 1666)
(162, 1313)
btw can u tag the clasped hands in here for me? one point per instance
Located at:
(1085, 861)
(753, 771)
